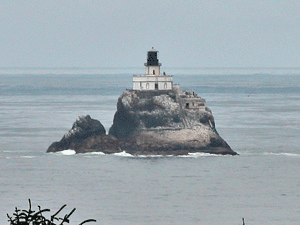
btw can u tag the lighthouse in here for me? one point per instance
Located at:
(152, 79)
(152, 65)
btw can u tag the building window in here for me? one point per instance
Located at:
(166, 86)
(187, 105)
(147, 86)
(153, 71)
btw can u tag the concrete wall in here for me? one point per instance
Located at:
(152, 70)
(151, 78)
(193, 103)
(165, 85)
(148, 82)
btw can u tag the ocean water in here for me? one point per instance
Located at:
(257, 111)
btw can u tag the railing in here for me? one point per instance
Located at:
(146, 64)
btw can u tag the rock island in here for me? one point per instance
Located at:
(155, 117)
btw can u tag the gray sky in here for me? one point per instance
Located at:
(71, 33)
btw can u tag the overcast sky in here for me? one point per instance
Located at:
(108, 33)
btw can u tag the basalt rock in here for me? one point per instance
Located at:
(83, 128)
(173, 122)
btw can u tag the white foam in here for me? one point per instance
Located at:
(291, 154)
(283, 154)
(154, 156)
(68, 152)
(190, 155)
(96, 153)
(27, 156)
(125, 154)
(92, 154)
(198, 154)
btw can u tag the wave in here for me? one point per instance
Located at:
(125, 154)
(92, 154)
(13, 151)
(189, 155)
(288, 154)
(67, 152)
(198, 154)
(154, 156)
(96, 153)
(28, 156)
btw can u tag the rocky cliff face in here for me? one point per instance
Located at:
(83, 128)
(140, 110)
(159, 110)
(171, 122)
(166, 122)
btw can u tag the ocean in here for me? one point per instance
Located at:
(257, 111)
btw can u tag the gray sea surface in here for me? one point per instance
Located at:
(257, 113)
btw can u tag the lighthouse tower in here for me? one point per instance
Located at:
(152, 65)
(152, 79)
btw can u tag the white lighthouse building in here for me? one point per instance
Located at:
(152, 79)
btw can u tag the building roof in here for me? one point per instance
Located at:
(152, 50)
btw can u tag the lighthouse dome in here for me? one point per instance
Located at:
(152, 50)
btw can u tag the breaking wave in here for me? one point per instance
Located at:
(283, 154)
(198, 154)
(96, 153)
(154, 156)
(28, 156)
(125, 154)
(190, 155)
(68, 152)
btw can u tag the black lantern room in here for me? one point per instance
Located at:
(152, 58)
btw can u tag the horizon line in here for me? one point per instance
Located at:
(137, 67)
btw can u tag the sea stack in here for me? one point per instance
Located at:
(156, 117)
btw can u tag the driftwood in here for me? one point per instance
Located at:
(30, 217)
